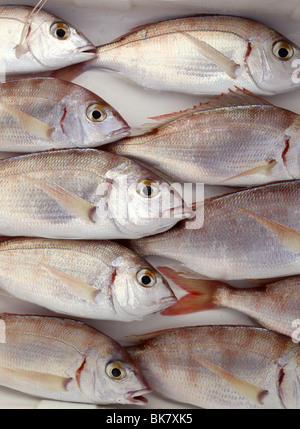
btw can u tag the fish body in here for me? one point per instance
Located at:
(43, 113)
(222, 367)
(30, 42)
(250, 234)
(203, 54)
(66, 360)
(275, 306)
(97, 280)
(84, 194)
(237, 140)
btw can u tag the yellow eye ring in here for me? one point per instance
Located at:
(96, 113)
(146, 278)
(116, 370)
(147, 188)
(60, 30)
(283, 50)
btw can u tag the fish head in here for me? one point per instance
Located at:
(56, 44)
(272, 61)
(141, 203)
(138, 289)
(118, 380)
(88, 121)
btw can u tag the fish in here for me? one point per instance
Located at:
(206, 54)
(216, 143)
(35, 41)
(38, 114)
(221, 367)
(275, 306)
(67, 360)
(84, 194)
(248, 234)
(90, 279)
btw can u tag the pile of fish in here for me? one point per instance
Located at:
(64, 201)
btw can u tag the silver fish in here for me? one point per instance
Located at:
(234, 140)
(97, 280)
(203, 54)
(66, 360)
(35, 41)
(44, 113)
(250, 234)
(275, 306)
(84, 194)
(222, 367)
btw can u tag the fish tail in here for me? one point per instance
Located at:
(200, 297)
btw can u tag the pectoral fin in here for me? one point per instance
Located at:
(72, 202)
(32, 125)
(263, 169)
(77, 286)
(288, 237)
(249, 390)
(214, 56)
(38, 380)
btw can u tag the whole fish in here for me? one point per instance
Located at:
(222, 367)
(44, 113)
(275, 306)
(35, 41)
(250, 234)
(84, 194)
(94, 279)
(235, 140)
(203, 54)
(66, 360)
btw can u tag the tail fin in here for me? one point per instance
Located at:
(200, 295)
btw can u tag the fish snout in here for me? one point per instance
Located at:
(136, 397)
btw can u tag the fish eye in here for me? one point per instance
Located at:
(60, 30)
(96, 113)
(146, 278)
(147, 188)
(283, 50)
(116, 370)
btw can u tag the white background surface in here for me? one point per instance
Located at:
(102, 21)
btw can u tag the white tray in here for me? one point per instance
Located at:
(102, 21)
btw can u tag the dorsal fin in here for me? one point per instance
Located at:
(238, 98)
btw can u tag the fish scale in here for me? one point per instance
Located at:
(55, 116)
(97, 280)
(234, 244)
(216, 143)
(41, 51)
(201, 55)
(178, 364)
(65, 360)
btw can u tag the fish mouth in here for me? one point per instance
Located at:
(179, 212)
(168, 301)
(89, 50)
(137, 398)
(124, 131)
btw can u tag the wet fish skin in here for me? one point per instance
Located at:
(65, 360)
(62, 107)
(41, 51)
(217, 144)
(96, 280)
(172, 363)
(83, 194)
(275, 306)
(232, 245)
(187, 55)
